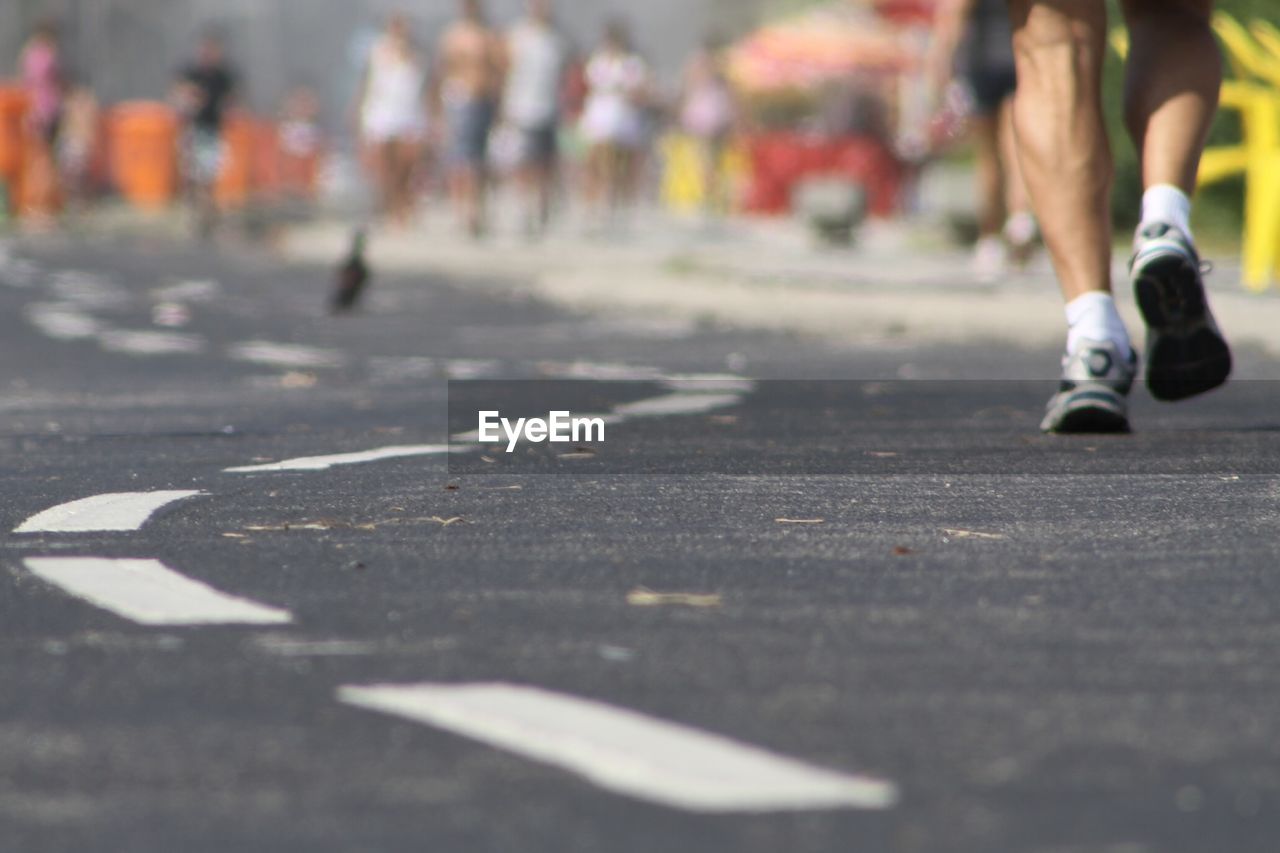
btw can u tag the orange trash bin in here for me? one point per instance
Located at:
(144, 153)
(13, 112)
(235, 183)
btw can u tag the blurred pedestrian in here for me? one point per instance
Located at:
(394, 117)
(42, 73)
(708, 114)
(204, 95)
(614, 120)
(974, 43)
(77, 142)
(301, 143)
(473, 70)
(538, 57)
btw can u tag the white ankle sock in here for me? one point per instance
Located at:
(1093, 317)
(1167, 204)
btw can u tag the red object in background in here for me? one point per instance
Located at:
(13, 111)
(235, 181)
(907, 11)
(780, 161)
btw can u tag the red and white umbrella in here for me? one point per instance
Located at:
(832, 42)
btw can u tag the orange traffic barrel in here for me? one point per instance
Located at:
(13, 111)
(144, 153)
(236, 181)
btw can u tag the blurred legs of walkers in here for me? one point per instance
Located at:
(1006, 228)
(42, 186)
(537, 174)
(203, 154)
(395, 165)
(711, 152)
(612, 176)
(470, 123)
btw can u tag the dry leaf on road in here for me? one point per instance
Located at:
(642, 597)
(972, 534)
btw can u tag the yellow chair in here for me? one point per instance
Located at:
(684, 182)
(1256, 96)
(1268, 35)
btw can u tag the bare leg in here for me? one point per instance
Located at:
(1066, 158)
(991, 176)
(1172, 83)
(1015, 183)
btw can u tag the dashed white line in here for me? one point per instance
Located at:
(285, 355)
(117, 511)
(62, 322)
(150, 593)
(146, 342)
(324, 463)
(677, 404)
(624, 751)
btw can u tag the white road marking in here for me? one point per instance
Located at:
(150, 593)
(324, 463)
(624, 751)
(87, 289)
(677, 404)
(147, 342)
(720, 392)
(190, 290)
(62, 322)
(119, 511)
(285, 355)
(599, 371)
(472, 368)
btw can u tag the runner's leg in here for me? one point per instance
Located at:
(1172, 83)
(1065, 155)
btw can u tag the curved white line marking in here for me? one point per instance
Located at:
(625, 751)
(150, 593)
(728, 391)
(324, 463)
(285, 355)
(119, 511)
(677, 404)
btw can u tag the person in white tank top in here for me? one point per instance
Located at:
(393, 117)
(614, 120)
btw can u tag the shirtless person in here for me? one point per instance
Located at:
(473, 70)
(1171, 95)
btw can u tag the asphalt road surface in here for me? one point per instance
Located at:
(251, 602)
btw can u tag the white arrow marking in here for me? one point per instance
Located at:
(150, 593)
(624, 751)
(324, 463)
(119, 511)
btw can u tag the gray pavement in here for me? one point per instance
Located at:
(1042, 644)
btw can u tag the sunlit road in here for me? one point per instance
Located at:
(246, 605)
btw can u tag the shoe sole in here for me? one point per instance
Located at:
(1186, 356)
(1086, 417)
(1091, 420)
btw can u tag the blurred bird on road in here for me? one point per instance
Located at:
(353, 275)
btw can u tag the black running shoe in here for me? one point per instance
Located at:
(1186, 353)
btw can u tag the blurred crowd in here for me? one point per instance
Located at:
(484, 103)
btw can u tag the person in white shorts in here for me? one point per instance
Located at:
(393, 117)
(613, 122)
